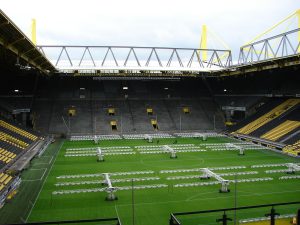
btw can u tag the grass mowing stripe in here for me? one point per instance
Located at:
(155, 205)
(41, 178)
(59, 148)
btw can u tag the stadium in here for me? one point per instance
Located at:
(138, 135)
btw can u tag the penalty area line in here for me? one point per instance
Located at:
(117, 212)
(41, 178)
(37, 197)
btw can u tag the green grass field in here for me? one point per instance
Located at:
(153, 206)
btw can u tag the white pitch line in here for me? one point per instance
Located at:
(43, 163)
(37, 164)
(198, 195)
(211, 198)
(117, 212)
(43, 174)
(41, 178)
(44, 183)
(31, 180)
(51, 160)
(38, 168)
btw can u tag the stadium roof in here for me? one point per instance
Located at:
(13, 39)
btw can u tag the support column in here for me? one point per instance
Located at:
(110, 196)
(272, 215)
(24, 119)
(224, 219)
(224, 187)
(173, 155)
(203, 43)
(298, 217)
(33, 31)
(241, 151)
(96, 141)
(100, 155)
(298, 15)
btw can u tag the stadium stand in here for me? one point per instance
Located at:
(237, 100)
(8, 186)
(91, 99)
(14, 142)
(98, 107)
(6, 156)
(18, 145)
(281, 130)
(4, 180)
(293, 149)
(18, 130)
(269, 116)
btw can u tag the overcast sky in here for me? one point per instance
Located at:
(169, 23)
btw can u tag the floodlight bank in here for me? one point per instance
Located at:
(251, 180)
(103, 150)
(101, 174)
(95, 148)
(165, 151)
(238, 173)
(73, 183)
(200, 169)
(289, 177)
(220, 174)
(277, 171)
(161, 146)
(124, 188)
(95, 154)
(268, 165)
(251, 220)
(217, 182)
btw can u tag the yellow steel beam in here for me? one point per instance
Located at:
(226, 54)
(33, 31)
(226, 46)
(271, 28)
(298, 15)
(203, 42)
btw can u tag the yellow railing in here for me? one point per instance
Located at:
(274, 113)
(281, 130)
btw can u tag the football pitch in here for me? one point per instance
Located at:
(151, 185)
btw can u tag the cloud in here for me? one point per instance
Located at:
(173, 23)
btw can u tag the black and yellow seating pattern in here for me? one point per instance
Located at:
(18, 130)
(13, 141)
(4, 180)
(293, 149)
(281, 130)
(6, 156)
(274, 113)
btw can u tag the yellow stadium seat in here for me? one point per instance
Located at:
(293, 149)
(7, 180)
(264, 119)
(18, 130)
(3, 178)
(281, 130)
